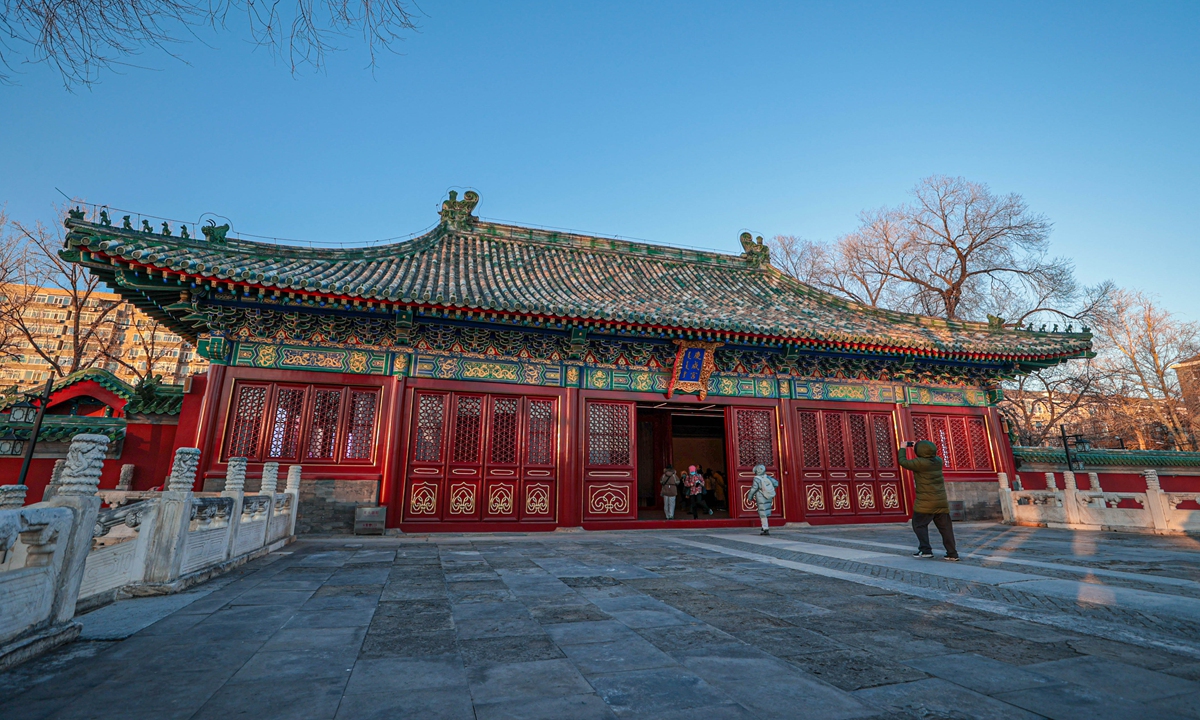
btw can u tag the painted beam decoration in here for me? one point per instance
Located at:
(693, 366)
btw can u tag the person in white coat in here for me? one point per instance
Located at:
(762, 492)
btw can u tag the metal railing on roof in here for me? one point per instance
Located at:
(138, 222)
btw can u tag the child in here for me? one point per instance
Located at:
(762, 492)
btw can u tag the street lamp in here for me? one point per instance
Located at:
(11, 443)
(23, 411)
(33, 433)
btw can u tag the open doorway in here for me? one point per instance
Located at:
(678, 435)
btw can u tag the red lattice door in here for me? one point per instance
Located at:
(540, 471)
(753, 441)
(609, 479)
(848, 465)
(426, 482)
(482, 457)
(464, 479)
(502, 480)
(962, 440)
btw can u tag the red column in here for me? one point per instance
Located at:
(395, 448)
(206, 438)
(793, 505)
(571, 432)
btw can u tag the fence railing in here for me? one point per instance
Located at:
(1152, 510)
(82, 547)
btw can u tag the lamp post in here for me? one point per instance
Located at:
(10, 442)
(37, 425)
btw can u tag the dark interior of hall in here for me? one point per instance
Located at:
(680, 435)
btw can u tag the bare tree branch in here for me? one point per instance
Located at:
(83, 38)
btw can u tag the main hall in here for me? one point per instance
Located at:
(492, 377)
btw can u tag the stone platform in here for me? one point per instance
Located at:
(813, 623)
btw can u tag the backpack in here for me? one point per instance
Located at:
(768, 488)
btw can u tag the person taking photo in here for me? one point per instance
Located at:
(932, 504)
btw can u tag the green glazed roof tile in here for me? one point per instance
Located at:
(485, 266)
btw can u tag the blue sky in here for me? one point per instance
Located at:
(682, 123)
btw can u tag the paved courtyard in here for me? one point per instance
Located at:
(812, 623)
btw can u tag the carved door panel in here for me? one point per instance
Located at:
(813, 485)
(426, 481)
(891, 498)
(609, 481)
(464, 476)
(837, 462)
(848, 464)
(753, 441)
(502, 475)
(962, 440)
(540, 472)
(864, 480)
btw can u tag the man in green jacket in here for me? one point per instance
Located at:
(932, 504)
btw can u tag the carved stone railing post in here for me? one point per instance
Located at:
(55, 479)
(125, 481)
(270, 478)
(183, 470)
(12, 497)
(235, 486)
(1005, 496)
(1050, 484)
(1094, 482)
(293, 478)
(1156, 500)
(1070, 498)
(169, 534)
(293, 489)
(235, 475)
(77, 491)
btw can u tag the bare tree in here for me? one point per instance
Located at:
(805, 260)
(846, 267)
(1141, 341)
(84, 335)
(12, 259)
(148, 345)
(80, 38)
(1037, 403)
(957, 251)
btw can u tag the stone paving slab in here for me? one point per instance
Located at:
(658, 624)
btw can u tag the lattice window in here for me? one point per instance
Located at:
(754, 438)
(810, 442)
(860, 448)
(539, 436)
(468, 421)
(977, 430)
(884, 448)
(285, 431)
(504, 431)
(940, 436)
(431, 411)
(958, 443)
(322, 434)
(362, 424)
(921, 427)
(835, 443)
(608, 434)
(246, 427)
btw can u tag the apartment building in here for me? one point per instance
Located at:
(127, 343)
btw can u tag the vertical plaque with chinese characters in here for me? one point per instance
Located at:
(693, 365)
